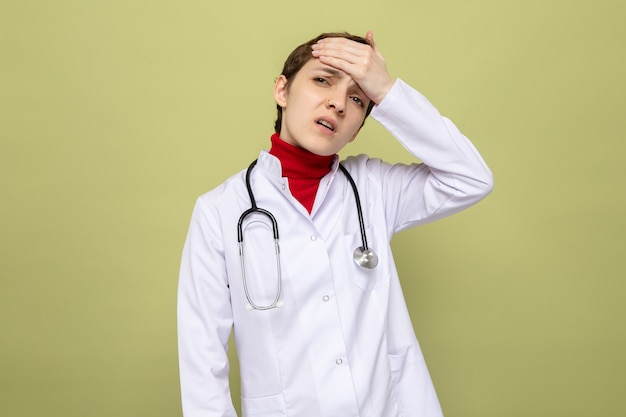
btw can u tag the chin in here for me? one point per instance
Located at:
(321, 152)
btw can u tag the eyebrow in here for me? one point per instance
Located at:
(340, 74)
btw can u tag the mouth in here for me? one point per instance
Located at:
(327, 124)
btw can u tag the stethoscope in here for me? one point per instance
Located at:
(363, 255)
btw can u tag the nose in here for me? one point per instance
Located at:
(336, 104)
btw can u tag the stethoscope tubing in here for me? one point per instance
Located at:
(361, 254)
(359, 211)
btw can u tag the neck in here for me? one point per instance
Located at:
(303, 169)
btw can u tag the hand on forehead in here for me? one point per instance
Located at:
(362, 62)
(340, 49)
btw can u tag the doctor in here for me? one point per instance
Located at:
(318, 334)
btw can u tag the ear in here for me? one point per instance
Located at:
(280, 91)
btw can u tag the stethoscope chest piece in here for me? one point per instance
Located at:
(365, 258)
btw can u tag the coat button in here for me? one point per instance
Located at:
(339, 361)
(325, 298)
(313, 238)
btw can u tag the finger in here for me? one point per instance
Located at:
(342, 44)
(336, 56)
(350, 56)
(339, 63)
(370, 38)
(351, 52)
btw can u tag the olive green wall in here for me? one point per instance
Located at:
(115, 115)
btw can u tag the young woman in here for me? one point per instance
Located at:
(293, 253)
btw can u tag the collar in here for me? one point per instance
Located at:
(272, 166)
(298, 163)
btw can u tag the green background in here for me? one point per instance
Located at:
(116, 115)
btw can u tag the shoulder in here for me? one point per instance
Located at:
(367, 172)
(363, 165)
(224, 197)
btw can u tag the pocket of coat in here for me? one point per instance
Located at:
(367, 279)
(397, 363)
(414, 389)
(268, 406)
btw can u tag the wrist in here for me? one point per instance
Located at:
(383, 91)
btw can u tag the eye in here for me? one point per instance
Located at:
(357, 100)
(321, 80)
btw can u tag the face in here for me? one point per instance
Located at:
(323, 108)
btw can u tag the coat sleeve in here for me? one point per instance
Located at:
(451, 175)
(204, 319)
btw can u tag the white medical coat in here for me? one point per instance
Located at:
(342, 343)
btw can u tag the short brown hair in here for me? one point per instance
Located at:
(301, 55)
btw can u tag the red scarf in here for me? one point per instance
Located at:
(303, 169)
